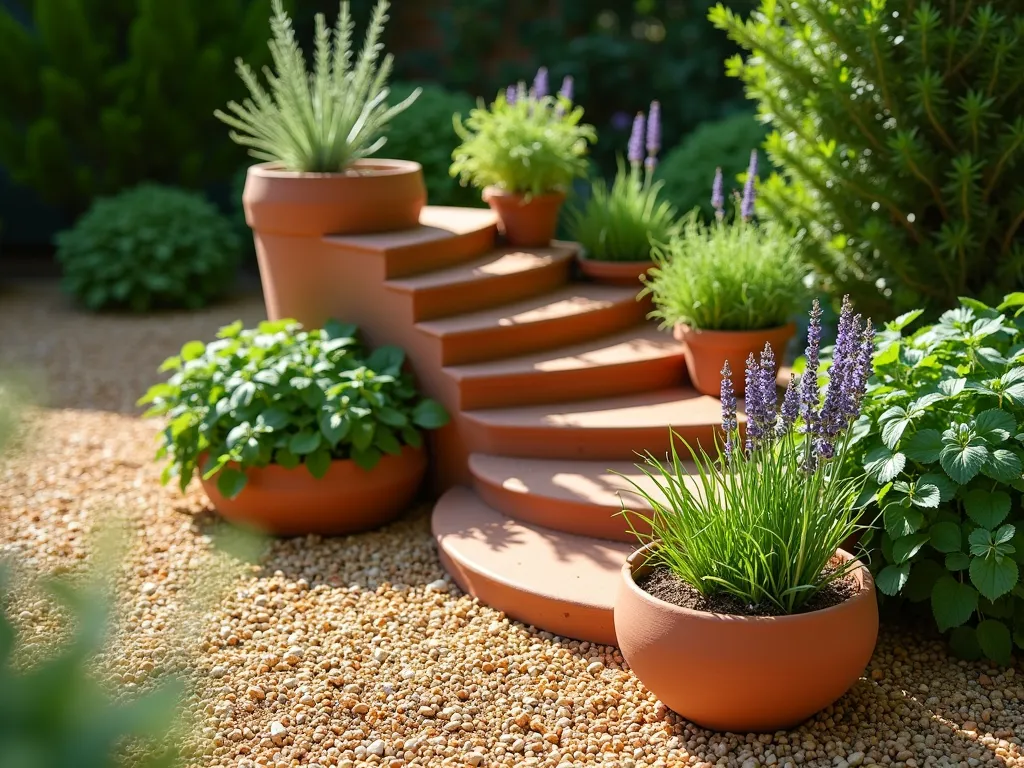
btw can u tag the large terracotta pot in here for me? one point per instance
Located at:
(740, 673)
(627, 273)
(706, 353)
(525, 222)
(291, 502)
(373, 196)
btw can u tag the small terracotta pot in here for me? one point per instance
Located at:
(527, 223)
(626, 273)
(742, 673)
(706, 353)
(373, 196)
(291, 502)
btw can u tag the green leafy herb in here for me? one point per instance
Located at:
(283, 395)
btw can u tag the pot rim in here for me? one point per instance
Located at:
(496, 191)
(686, 329)
(274, 466)
(376, 166)
(866, 592)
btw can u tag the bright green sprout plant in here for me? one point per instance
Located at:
(319, 122)
(624, 222)
(283, 395)
(941, 439)
(523, 143)
(763, 521)
(150, 247)
(727, 276)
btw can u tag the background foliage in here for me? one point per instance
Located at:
(941, 440)
(901, 150)
(150, 247)
(100, 95)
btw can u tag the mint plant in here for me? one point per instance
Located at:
(283, 395)
(940, 437)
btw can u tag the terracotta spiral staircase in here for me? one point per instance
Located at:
(553, 384)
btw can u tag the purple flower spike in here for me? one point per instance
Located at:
(756, 405)
(790, 407)
(728, 397)
(654, 130)
(566, 90)
(510, 94)
(845, 384)
(809, 380)
(635, 153)
(717, 195)
(769, 388)
(540, 83)
(749, 193)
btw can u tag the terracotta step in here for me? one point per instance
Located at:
(613, 428)
(446, 236)
(639, 359)
(555, 581)
(501, 277)
(568, 315)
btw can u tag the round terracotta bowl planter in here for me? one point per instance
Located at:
(372, 196)
(627, 273)
(706, 353)
(528, 223)
(741, 673)
(291, 502)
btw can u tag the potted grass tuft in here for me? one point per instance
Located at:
(295, 431)
(727, 288)
(317, 132)
(618, 226)
(524, 151)
(741, 612)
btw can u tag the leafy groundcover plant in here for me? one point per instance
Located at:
(727, 277)
(526, 142)
(622, 223)
(325, 120)
(764, 520)
(941, 440)
(280, 394)
(150, 247)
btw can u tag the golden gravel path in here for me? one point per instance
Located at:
(358, 651)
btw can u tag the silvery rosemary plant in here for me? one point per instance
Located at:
(762, 521)
(323, 121)
(623, 222)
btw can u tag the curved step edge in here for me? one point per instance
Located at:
(558, 582)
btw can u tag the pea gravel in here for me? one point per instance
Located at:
(358, 650)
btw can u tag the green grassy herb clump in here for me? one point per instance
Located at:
(727, 278)
(283, 395)
(624, 222)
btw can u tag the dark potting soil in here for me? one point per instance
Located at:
(661, 583)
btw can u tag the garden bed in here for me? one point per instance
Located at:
(358, 650)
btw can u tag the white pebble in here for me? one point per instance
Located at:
(376, 748)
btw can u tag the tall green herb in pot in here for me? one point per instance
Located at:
(941, 439)
(726, 288)
(900, 159)
(623, 223)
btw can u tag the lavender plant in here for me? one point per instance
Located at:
(762, 521)
(624, 222)
(525, 142)
(727, 276)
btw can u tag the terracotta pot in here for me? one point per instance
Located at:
(525, 223)
(291, 502)
(707, 351)
(740, 673)
(614, 272)
(374, 196)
